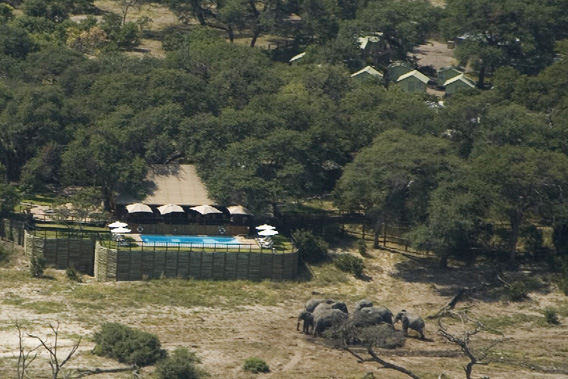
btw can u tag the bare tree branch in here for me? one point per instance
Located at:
(52, 350)
(24, 358)
(464, 341)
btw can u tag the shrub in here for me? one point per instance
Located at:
(311, 248)
(179, 365)
(362, 247)
(517, 291)
(37, 266)
(255, 365)
(349, 263)
(551, 317)
(128, 345)
(73, 275)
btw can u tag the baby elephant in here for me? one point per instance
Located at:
(308, 319)
(411, 321)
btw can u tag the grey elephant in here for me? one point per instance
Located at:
(308, 319)
(328, 318)
(326, 306)
(368, 316)
(410, 321)
(363, 304)
(313, 303)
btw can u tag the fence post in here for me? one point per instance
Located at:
(200, 264)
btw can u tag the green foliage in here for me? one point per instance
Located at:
(255, 365)
(9, 198)
(127, 345)
(72, 274)
(517, 291)
(551, 316)
(310, 247)
(362, 247)
(349, 263)
(392, 179)
(519, 33)
(180, 364)
(37, 266)
(6, 13)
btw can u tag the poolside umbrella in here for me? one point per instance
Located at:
(267, 233)
(117, 224)
(120, 230)
(265, 227)
(239, 210)
(138, 208)
(205, 209)
(170, 208)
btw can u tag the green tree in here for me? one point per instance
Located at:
(9, 198)
(456, 215)
(99, 158)
(520, 33)
(523, 184)
(392, 179)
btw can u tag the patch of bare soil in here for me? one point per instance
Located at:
(223, 337)
(434, 53)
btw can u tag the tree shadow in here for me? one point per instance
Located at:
(484, 280)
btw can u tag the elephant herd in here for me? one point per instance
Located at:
(321, 314)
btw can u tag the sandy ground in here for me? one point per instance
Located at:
(434, 53)
(224, 335)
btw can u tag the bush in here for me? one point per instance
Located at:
(128, 345)
(37, 266)
(73, 275)
(349, 263)
(517, 291)
(362, 247)
(311, 248)
(179, 365)
(551, 317)
(255, 365)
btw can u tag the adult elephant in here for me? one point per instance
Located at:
(326, 306)
(328, 318)
(313, 303)
(363, 304)
(410, 321)
(368, 316)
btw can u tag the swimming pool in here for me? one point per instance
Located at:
(207, 241)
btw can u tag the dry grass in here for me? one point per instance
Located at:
(227, 322)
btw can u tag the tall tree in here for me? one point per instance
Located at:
(392, 179)
(523, 184)
(520, 33)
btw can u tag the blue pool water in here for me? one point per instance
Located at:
(201, 240)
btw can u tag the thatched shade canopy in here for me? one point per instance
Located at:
(138, 208)
(206, 209)
(239, 210)
(170, 208)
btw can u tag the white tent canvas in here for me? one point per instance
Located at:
(239, 210)
(265, 227)
(206, 209)
(267, 233)
(138, 208)
(170, 208)
(118, 224)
